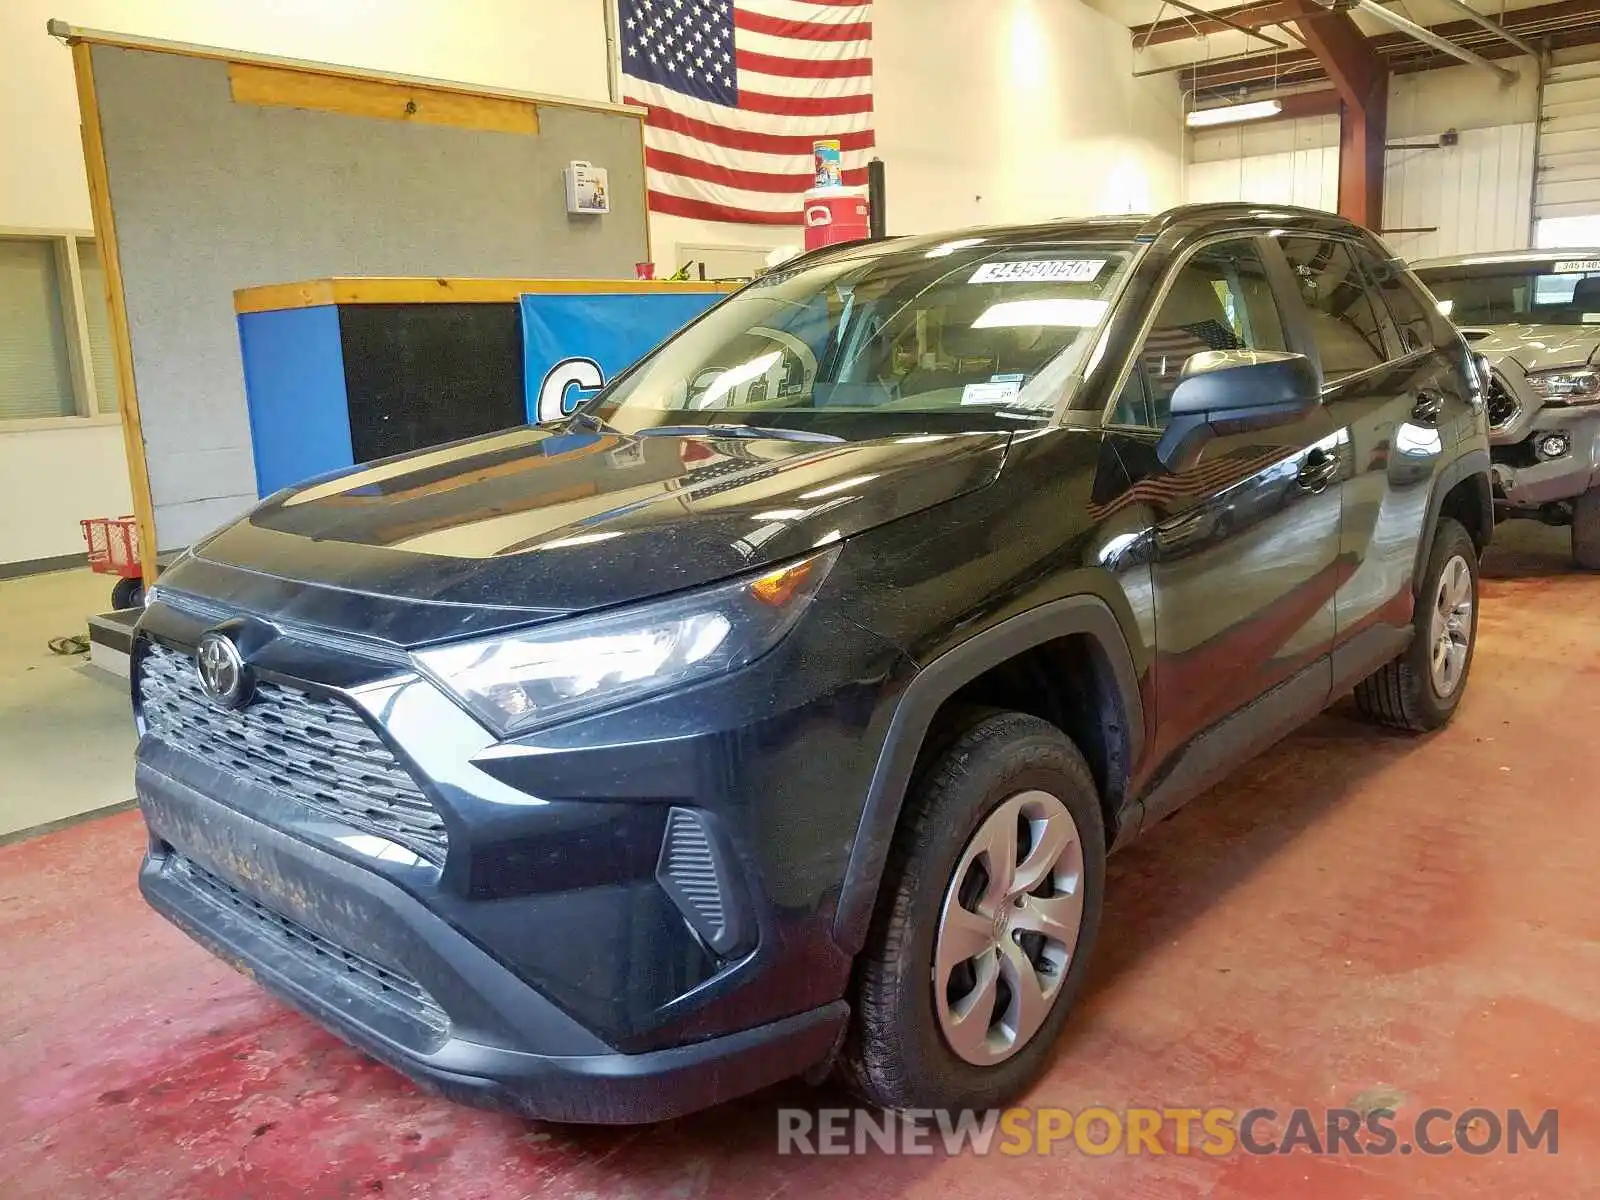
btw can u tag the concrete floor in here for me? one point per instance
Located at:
(66, 739)
(1351, 913)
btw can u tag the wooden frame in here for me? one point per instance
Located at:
(94, 157)
(270, 79)
(426, 290)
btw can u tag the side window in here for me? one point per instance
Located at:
(1347, 328)
(1221, 299)
(1413, 323)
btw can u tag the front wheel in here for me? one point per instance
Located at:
(1586, 531)
(1419, 690)
(984, 927)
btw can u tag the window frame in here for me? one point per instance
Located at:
(89, 408)
(1291, 314)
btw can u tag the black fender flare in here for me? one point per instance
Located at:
(927, 690)
(1464, 466)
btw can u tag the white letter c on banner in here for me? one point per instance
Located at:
(582, 373)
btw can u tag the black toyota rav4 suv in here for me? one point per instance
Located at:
(775, 713)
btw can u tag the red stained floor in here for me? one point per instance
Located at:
(1351, 912)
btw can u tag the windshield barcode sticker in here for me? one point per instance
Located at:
(1040, 270)
(1578, 266)
(996, 391)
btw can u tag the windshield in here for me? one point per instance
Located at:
(883, 342)
(1557, 291)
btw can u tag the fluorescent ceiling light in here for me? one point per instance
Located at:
(1231, 114)
(1054, 311)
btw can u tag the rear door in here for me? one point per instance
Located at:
(1391, 395)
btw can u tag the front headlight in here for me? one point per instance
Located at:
(1580, 386)
(517, 681)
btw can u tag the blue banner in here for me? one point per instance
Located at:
(573, 344)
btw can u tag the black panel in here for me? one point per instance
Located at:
(421, 374)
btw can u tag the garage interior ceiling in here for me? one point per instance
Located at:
(1217, 50)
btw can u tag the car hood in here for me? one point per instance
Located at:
(536, 523)
(1536, 347)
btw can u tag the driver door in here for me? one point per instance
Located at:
(1244, 540)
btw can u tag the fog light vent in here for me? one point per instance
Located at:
(695, 872)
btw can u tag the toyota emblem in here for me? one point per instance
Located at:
(223, 675)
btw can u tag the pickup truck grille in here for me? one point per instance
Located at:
(311, 749)
(1502, 406)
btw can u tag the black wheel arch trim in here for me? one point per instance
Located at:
(927, 690)
(1474, 462)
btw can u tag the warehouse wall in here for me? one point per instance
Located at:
(50, 478)
(1007, 110)
(1476, 194)
(1037, 116)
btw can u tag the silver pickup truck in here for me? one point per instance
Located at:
(1534, 315)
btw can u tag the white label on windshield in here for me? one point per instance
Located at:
(1578, 266)
(1040, 270)
(993, 392)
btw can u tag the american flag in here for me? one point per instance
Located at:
(737, 92)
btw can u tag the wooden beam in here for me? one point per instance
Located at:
(1180, 29)
(105, 226)
(1361, 77)
(278, 87)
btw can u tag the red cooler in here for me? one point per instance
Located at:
(835, 216)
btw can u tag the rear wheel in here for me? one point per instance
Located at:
(984, 927)
(1419, 690)
(1586, 531)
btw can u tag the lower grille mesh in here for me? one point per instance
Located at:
(398, 992)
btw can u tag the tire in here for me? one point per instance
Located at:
(1406, 693)
(996, 770)
(1586, 531)
(127, 593)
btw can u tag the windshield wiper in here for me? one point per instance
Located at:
(738, 431)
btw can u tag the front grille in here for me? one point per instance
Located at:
(310, 749)
(1502, 406)
(399, 993)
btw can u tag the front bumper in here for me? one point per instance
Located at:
(357, 953)
(1525, 481)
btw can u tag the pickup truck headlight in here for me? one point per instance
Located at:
(515, 682)
(1580, 386)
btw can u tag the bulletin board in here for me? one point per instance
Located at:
(211, 170)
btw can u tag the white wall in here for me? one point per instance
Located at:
(987, 110)
(1477, 194)
(50, 479)
(1276, 162)
(1001, 110)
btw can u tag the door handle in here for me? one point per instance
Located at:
(1429, 406)
(1317, 471)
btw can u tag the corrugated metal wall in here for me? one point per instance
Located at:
(1280, 162)
(1476, 196)
(1569, 141)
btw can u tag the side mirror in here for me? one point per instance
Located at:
(1235, 391)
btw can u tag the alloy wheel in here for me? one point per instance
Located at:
(1450, 627)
